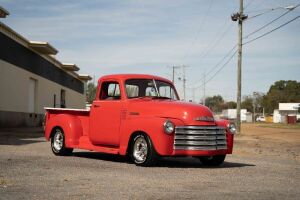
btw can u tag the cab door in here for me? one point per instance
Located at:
(105, 115)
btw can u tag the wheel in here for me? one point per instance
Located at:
(212, 160)
(58, 144)
(142, 152)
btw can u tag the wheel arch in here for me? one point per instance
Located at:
(153, 128)
(69, 124)
(132, 135)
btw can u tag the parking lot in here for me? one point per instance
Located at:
(264, 165)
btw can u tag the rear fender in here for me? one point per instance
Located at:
(71, 126)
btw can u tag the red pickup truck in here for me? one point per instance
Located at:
(140, 116)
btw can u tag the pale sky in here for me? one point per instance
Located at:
(118, 36)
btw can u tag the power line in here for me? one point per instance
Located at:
(215, 66)
(249, 3)
(257, 15)
(267, 33)
(270, 9)
(215, 43)
(224, 65)
(264, 26)
(199, 29)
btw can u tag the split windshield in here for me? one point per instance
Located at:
(139, 88)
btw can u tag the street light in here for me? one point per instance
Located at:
(290, 8)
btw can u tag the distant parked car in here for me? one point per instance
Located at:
(261, 119)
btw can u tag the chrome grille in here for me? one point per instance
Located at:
(200, 138)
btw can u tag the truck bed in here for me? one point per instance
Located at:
(81, 114)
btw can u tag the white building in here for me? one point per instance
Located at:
(286, 109)
(231, 114)
(31, 78)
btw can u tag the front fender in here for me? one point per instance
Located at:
(71, 126)
(229, 135)
(153, 127)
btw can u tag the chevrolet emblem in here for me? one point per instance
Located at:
(204, 119)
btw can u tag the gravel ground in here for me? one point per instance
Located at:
(263, 166)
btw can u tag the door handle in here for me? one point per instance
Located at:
(96, 106)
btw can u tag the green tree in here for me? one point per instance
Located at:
(247, 103)
(281, 92)
(215, 103)
(250, 100)
(231, 105)
(91, 92)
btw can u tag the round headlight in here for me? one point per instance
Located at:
(169, 127)
(231, 127)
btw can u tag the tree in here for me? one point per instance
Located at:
(231, 105)
(250, 101)
(91, 92)
(247, 103)
(281, 92)
(215, 103)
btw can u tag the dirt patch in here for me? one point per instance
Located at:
(259, 140)
(3, 182)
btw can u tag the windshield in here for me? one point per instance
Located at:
(139, 88)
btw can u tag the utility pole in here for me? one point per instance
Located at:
(254, 105)
(193, 90)
(184, 80)
(239, 17)
(204, 88)
(173, 73)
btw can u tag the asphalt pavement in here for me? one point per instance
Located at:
(29, 170)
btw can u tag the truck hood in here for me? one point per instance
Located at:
(188, 113)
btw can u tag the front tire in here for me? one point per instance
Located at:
(58, 144)
(142, 151)
(212, 160)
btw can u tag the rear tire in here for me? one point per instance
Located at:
(212, 160)
(58, 143)
(142, 151)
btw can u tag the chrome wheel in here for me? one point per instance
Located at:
(58, 140)
(140, 149)
(58, 143)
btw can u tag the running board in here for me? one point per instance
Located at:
(84, 143)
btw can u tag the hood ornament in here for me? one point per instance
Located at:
(204, 119)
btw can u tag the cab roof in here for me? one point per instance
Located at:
(133, 76)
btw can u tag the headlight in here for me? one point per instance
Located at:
(169, 127)
(231, 127)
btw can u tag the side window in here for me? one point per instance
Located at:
(132, 91)
(110, 91)
(166, 91)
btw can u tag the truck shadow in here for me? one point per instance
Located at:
(167, 162)
(21, 136)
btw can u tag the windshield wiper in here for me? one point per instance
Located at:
(156, 90)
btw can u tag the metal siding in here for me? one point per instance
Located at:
(18, 55)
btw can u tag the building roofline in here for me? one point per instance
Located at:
(3, 12)
(17, 35)
(43, 47)
(84, 77)
(70, 67)
(45, 50)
